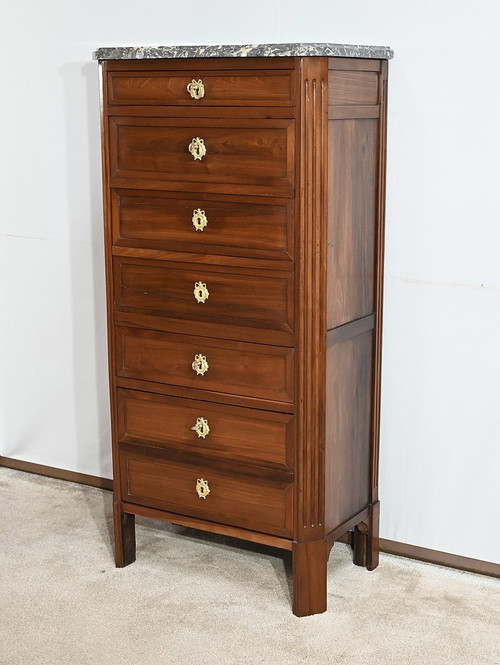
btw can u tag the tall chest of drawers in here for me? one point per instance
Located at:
(244, 206)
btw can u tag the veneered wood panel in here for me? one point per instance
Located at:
(351, 329)
(243, 435)
(347, 87)
(234, 498)
(348, 428)
(165, 221)
(234, 297)
(226, 88)
(355, 64)
(353, 111)
(252, 152)
(352, 218)
(253, 370)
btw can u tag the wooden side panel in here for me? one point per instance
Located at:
(352, 146)
(311, 309)
(345, 87)
(108, 243)
(348, 428)
(379, 286)
(357, 145)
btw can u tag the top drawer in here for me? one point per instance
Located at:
(202, 88)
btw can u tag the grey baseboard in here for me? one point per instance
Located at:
(440, 558)
(54, 472)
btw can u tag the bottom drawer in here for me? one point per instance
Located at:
(251, 502)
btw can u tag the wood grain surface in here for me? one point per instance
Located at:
(238, 225)
(244, 435)
(255, 370)
(265, 87)
(245, 501)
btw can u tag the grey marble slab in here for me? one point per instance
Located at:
(242, 51)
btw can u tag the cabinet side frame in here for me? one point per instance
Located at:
(309, 549)
(124, 523)
(372, 555)
(379, 283)
(311, 245)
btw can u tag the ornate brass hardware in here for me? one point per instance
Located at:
(196, 89)
(199, 219)
(200, 365)
(197, 148)
(201, 428)
(202, 488)
(201, 292)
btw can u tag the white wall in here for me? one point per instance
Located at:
(441, 419)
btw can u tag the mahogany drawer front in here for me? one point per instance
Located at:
(161, 221)
(225, 88)
(248, 501)
(237, 368)
(252, 152)
(202, 293)
(204, 428)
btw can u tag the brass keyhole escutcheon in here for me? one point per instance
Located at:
(199, 219)
(196, 89)
(202, 488)
(200, 365)
(201, 292)
(201, 428)
(197, 148)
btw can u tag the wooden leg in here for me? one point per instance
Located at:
(372, 551)
(365, 540)
(124, 536)
(309, 577)
(360, 544)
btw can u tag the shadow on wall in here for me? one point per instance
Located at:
(85, 226)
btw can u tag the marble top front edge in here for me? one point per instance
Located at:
(243, 51)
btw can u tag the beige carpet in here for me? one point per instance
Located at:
(194, 598)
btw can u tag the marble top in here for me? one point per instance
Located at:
(243, 51)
